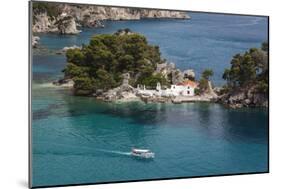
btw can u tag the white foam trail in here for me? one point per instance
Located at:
(94, 149)
(106, 151)
(115, 152)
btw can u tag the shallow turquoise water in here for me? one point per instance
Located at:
(81, 140)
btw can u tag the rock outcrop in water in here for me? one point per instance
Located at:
(69, 83)
(67, 25)
(35, 41)
(65, 49)
(247, 79)
(245, 97)
(65, 18)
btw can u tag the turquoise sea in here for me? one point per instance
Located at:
(78, 140)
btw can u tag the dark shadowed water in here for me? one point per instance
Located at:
(81, 140)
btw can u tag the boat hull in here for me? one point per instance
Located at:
(143, 155)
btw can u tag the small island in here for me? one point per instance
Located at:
(124, 67)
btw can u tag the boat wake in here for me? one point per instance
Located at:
(56, 149)
(74, 150)
(115, 152)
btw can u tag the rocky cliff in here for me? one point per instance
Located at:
(66, 18)
(173, 74)
(245, 97)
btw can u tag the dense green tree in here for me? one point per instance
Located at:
(206, 74)
(75, 56)
(51, 9)
(83, 85)
(100, 64)
(249, 68)
(265, 46)
(104, 80)
(204, 81)
(73, 70)
(152, 80)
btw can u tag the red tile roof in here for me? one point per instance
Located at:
(188, 83)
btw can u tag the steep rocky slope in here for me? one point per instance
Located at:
(66, 18)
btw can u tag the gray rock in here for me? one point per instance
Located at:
(64, 83)
(35, 41)
(67, 25)
(64, 49)
(235, 106)
(93, 16)
(126, 78)
(247, 96)
(210, 90)
(146, 13)
(42, 23)
(177, 76)
(190, 74)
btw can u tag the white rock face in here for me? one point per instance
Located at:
(67, 25)
(64, 49)
(42, 23)
(145, 13)
(93, 16)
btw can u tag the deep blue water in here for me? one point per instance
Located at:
(81, 140)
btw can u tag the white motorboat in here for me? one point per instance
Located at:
(142, 153)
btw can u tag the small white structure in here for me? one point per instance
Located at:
(158, 87)
(185, 88)
(63, 14)
(126, 78)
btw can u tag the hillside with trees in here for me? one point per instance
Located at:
(248, 78)
(100, 64)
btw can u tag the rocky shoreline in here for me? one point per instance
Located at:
(244, 97)
(126, 93)
(67, 18)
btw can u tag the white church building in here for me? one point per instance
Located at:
(185, 88)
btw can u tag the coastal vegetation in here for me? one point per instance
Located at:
(100, 65)
(51, 9)
(123, 66)
(249, 68)
(248, 78)
(99, 69)
(204, 81)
